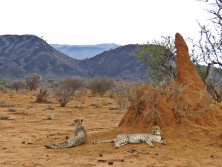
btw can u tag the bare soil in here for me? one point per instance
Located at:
(31, 125)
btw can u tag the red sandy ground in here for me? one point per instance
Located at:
(26, 132)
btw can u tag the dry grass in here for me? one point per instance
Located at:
(50, 107)
(96, 104)
(12, 109)
(149, 102)
(184, 106)
(49, 116)
(79, 106)
(125, 92)
(4, 117)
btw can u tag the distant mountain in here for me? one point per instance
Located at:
(21, 55)
(84, 51)
(117, 63)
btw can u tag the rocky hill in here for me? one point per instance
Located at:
(118, 63)
(22, 55)
(84, 51)
(27, 54)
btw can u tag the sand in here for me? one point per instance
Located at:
(29, 128)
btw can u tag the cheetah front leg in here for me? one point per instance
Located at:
(163, 142)
(150, 143)
(160, 141)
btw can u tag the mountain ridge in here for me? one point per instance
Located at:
(22, 55)
(121, 63)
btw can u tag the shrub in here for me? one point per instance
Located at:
(3, 84)
(2, 103)
(52, 83)
(66, 89)
(43, 94)
(72, 84)
(125, 92)
(63, 94)
(17, 85)
(101, 85)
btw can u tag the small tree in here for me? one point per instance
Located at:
(160, 56)
(208, 48)
(101, 85)
(33, 81)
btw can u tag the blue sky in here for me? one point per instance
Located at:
(81, 22)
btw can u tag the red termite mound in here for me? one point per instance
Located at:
(184, 102)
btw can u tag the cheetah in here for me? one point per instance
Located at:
(79, 138)
(123, 139)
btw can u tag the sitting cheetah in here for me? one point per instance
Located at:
(79, 138)
(123, 139)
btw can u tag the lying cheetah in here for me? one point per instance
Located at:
(123, 139)
(79, 138)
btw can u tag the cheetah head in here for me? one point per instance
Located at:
(156, 130)
(78, 122)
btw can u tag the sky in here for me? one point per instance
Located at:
(86, 22)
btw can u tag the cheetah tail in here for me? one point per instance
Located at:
(104, 141)
(49, 147)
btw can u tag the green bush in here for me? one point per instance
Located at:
(101, 85)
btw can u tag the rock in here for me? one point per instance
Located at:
(110, 163)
